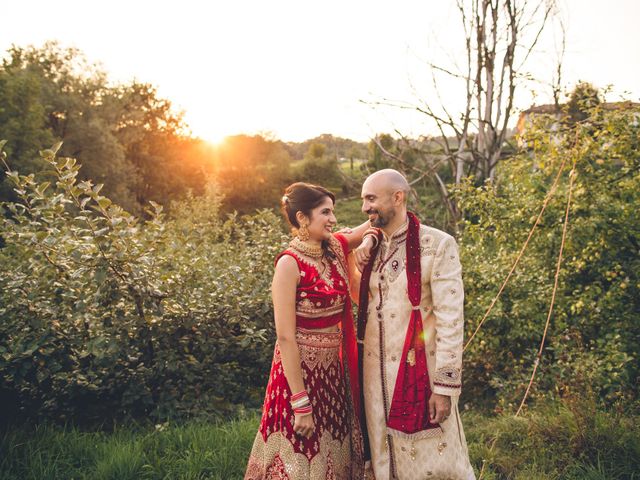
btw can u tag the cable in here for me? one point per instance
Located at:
(522, 250)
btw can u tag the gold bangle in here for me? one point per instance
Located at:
(373, 236)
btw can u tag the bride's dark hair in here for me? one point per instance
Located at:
(303, 197)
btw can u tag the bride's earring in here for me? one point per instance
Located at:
(303, 232)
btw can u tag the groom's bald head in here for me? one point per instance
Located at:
(384, 197)
(387, 181)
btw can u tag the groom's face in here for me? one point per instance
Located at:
(377, 203)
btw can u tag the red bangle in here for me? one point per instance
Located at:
(302, 410)
(299, 395)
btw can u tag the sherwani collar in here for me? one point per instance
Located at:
(398, 233)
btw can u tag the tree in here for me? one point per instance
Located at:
(251, 172)
(582, 101)
(125, 136)
(594, 335)
(320, 167)
(316, 151)
(499, 36)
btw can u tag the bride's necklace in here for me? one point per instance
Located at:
(316, 257)
(314, 251)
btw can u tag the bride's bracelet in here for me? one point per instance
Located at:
(300, 400)
(301, 404)
(302, 411)
(373, 233)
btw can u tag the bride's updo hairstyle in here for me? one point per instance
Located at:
(302, 197)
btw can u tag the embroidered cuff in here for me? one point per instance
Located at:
(447, 381)
(448, 390)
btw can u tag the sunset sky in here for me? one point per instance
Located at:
(298, 69)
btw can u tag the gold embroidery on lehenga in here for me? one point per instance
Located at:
(316, 258)
(316, 349)
(283, 462)
(306, 308)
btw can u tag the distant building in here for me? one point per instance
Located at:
(560, 112)
(556, 114)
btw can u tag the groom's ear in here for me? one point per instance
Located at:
(398, 198)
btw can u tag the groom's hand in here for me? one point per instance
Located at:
(439, 408)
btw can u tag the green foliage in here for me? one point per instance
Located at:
(316, 151)
(594, 336)
(125, 136)
(377, 148)
(105, 317)
(252, 172)
(133, 141)
(582, 100)
(349, 212)
(320, 168)
(336, 147)
(572, 440)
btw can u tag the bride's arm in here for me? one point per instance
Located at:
(363, 246)
(283, 291)
(354, 235)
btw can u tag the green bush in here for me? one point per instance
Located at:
(594, 337)
(104, 317)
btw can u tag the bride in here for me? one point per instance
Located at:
(310, 427)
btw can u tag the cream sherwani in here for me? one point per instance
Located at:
(444, 454)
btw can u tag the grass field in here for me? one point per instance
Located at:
(557, 442)
(349, 213)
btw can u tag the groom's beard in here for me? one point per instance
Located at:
(382, 219)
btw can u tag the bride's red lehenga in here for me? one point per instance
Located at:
(329, 370)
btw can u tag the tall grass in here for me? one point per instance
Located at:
(569, 441)
(190, 451)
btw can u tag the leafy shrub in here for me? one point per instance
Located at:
(594, 335)
(103, 316)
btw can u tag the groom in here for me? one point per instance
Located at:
(410, 329)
